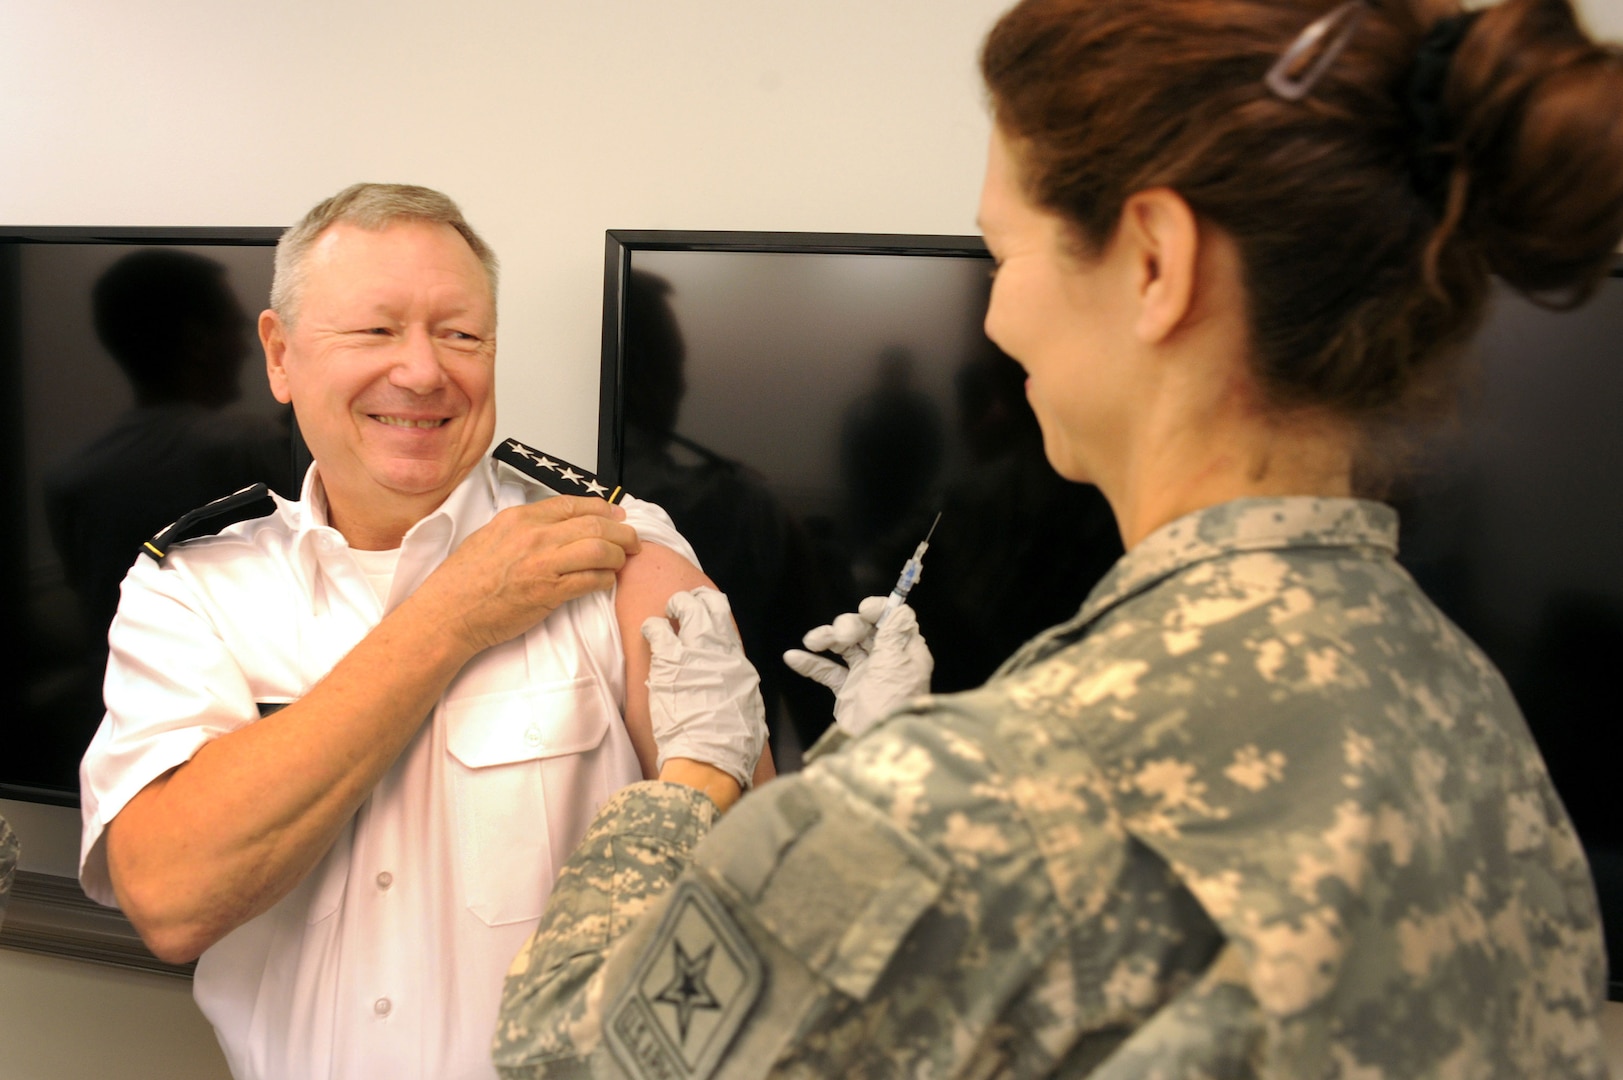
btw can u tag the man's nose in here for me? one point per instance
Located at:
(417, 363)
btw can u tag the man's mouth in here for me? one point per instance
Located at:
(401, 421)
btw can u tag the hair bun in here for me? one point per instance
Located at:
(1537, 112)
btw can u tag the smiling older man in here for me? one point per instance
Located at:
(348, 741)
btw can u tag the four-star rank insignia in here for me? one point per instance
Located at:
(690, 992)
(555, 473)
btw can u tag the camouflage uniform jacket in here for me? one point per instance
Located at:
(1258, 810)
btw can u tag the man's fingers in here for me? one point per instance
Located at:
(570, 517)
(584, 554)
(562, 507)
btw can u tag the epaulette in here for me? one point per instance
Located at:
(557, 474)
(251, 502)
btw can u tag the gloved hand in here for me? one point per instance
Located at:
(703, 693)
(883, 667)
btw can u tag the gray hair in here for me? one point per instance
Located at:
(367, 206)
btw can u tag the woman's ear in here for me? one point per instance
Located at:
(1164, 244)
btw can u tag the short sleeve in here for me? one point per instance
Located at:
(654, 525)
(171, 686)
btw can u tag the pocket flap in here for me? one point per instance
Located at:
(528, 724)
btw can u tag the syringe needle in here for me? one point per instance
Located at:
(931, 533)
(910, 574)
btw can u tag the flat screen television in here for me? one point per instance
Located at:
(134, 390)
(805, 404)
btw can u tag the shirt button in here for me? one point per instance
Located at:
(382, 1006)
(385, 879)
(532, 736)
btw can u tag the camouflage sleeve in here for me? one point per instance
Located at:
(640, 842)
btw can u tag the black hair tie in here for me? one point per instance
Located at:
(1431, 158)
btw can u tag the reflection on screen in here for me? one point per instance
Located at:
(141, 397)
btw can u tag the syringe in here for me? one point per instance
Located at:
(909, 576)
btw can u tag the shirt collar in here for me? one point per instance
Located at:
(1257, 524)
(1254, 524)
(469, 506)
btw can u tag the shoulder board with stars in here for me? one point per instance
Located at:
(555, 473)
(253, 501)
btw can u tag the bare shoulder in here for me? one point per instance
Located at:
(650, 577)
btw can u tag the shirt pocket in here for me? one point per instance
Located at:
(510, 754)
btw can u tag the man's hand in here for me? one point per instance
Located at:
(884, 667)
(525, 564)
(703, 693)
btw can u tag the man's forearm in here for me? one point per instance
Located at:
(223, 837)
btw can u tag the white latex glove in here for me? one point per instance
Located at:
(883, 668)
(704, 695)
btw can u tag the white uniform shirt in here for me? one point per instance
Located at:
(388, 959)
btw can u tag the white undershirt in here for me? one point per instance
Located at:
(379, 568)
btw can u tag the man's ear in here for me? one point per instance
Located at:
(273, 336)
(1166, 245)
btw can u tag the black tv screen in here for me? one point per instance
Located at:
(135, 390)
(805, 404)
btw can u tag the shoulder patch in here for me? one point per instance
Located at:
(690, 993)
(253, 501)
(555, 473)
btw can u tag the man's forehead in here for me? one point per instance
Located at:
(353, 257)
(342, 236)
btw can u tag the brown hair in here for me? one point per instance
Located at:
(1362, 284)
(368, 206)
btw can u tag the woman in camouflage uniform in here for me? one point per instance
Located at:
(1258, 809)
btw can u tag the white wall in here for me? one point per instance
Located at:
(549, 121)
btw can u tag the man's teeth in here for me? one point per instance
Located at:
(399, 421)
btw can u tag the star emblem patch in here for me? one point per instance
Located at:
(556, 473)
(690, 993)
